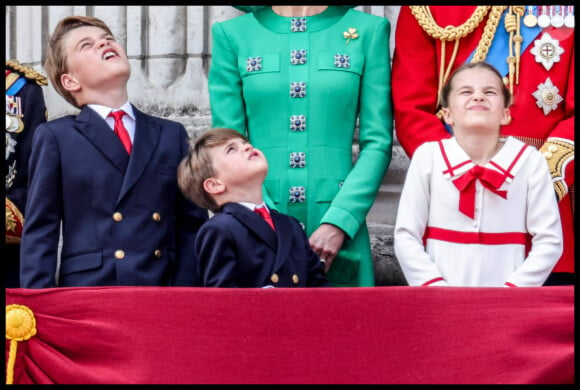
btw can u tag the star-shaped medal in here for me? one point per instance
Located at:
(547, 96)
(547, 51)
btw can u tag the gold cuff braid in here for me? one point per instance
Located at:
(14, 223)
(559, 153)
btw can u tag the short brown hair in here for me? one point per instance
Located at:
(56, 60)
(197, 166)
(446, 90)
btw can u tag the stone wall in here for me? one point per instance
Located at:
(169, 48)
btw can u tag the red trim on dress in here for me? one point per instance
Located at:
(433, 281)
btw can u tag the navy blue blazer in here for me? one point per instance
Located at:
(124, 219)
(237, 248)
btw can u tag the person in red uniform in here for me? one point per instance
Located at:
(532, 46)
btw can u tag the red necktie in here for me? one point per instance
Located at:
(489, 178)
(266, 215)
(120, 129)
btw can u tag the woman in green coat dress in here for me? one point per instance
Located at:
(294, 79)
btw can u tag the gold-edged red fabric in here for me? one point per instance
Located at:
(403, 335)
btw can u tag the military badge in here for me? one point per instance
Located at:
(547, 96)
(544, 19)
(14, 122)
(569, 18)
(557, 20)
(547, 51)
(530, 20)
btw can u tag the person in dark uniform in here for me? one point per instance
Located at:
(107, 174)
(245, 244)
(25, 110)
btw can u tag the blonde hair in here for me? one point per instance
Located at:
(197, 166)
(56, 59)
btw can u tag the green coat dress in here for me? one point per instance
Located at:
(295, 87)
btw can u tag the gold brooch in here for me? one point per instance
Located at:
(350, 34)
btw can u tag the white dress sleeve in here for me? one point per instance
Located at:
(543, 224)
(412, 219)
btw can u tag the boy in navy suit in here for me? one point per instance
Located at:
(237, 247)
(124, 220)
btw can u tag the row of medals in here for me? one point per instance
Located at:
(553, 15)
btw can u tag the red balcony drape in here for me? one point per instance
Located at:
(405, 335)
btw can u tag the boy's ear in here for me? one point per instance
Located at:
(213, 186)
(447, 116)
(69, 83)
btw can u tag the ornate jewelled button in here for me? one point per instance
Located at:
(298, 57)
(298, 24)
(297, 122)
(295, 279)
(274, 278)
(547, 50)
(254, 64)
(341, 60)
(297, 194)
(297, 160)
(297, 89)
(547, 96)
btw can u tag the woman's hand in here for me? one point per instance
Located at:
(326, 241)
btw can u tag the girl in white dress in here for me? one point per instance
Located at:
(477, 209)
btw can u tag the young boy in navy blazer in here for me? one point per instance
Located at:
(237, 247)
(124, 220)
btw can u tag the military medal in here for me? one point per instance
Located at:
(547, 96)
(569, 18)
(547, 51)
(544, 19)
(556, 20)
(530, 19)
(14, 122)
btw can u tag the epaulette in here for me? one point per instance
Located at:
(27, 72)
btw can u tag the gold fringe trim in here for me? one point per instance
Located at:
(451, 33)
(558, 153)
(28, 72)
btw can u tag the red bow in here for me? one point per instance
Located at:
(489, 178)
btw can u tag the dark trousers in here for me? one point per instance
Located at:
(11, 260)
(560, 279)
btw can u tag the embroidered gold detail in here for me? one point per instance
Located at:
(559, 153)
(14, 223)
(28, 72)
(20, 326)
(350, 34)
